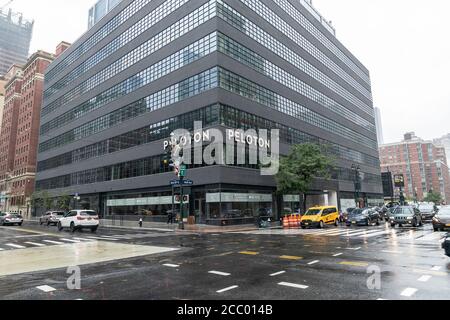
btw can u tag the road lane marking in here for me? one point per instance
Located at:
(46, 288)
(354, 264)
(354, 249)
(106, 239)
(293, 285)
(374, 234)
(249, 253)
(313, 262)
(431, 272)
(2, 249)
(391, 251)
(409, 292)
(82, 239)
(337, 254)
(436, 268)
(277, 273)
(53, 242)
(69, 240)
(291, 258)
(171, 265)
(36, 244)
(224, 274)
(424, 278)
(12, 245)
(227, 289)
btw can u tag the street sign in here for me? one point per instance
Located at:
(176, 183)
(183, 170)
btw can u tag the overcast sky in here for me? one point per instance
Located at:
(404, 43)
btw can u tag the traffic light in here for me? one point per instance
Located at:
(185, 199)
(167, 159)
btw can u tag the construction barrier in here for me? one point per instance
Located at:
(286, 222)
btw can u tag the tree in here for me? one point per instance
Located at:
(299, 169)
(47, 201)
(63, 202)
(434, 197)
(36, 200)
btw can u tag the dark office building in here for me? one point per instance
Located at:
(15, 38)
(150, 67)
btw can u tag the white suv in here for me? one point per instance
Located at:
(79, 219)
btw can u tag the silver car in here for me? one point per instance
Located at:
(51, 217)
(10, 219)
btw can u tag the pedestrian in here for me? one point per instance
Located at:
(141, 222)
(169, 217)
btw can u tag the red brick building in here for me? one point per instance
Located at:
(423, 164)
(20, 132)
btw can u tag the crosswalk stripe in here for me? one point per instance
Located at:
(2, 249)
(82, 239)
(12, 245)
(53, 242)
(107, 239)
(431, 237)
(362, 232)
(374, 234)
(36, 244)
(69, 240)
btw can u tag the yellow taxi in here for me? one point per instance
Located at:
(318, 217)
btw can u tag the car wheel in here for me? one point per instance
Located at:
(435, 229)
(321, 225)
(94, 230)
(414, 224)
(48, 223)
(60, 226)
(393, 225)
(40, 222)
(336, 223)
(20, 224)
(378, 222)
(72, 227)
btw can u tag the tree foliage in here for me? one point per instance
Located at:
(299, 169)
(63, 202)
(434, 197)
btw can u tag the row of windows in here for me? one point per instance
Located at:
(190, 87)
(236, 84)
(177, 92)
(134, 31)
(177, 60)
(265, 39)
(209, 116)
(306, 24)
(296, 37)
(151, 166)
(104, 31)
(252, 59)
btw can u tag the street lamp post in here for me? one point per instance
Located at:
(357, 170)
(76, 198)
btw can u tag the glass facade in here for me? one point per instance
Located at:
(272, 63)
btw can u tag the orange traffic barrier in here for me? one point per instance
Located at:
(299, 220)
(285, 222)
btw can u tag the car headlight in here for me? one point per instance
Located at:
(436, 220)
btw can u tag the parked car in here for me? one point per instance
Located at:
(405, 215)
(364, 217)
(10, 219)
(446, 245)
(428, 211)
(78, 220)
(441, 221)
(345, 214)
(51, 217)
(318, 217)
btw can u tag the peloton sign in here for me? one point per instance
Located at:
(228, 147)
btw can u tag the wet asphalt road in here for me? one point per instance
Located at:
(335, 263)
